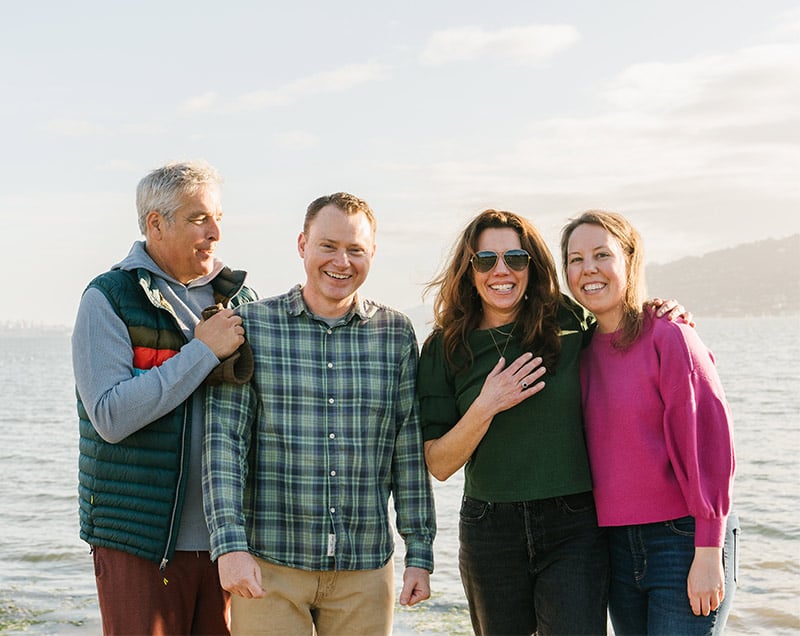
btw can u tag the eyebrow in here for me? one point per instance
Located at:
(198, 213)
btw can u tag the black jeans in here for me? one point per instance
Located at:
(534, 566)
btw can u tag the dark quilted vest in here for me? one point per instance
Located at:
(131, 493)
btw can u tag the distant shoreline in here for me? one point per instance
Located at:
(38, 329)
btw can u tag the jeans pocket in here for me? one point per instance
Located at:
(683, 527)
(577, 504)
(473, 510)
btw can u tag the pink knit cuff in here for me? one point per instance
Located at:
(709, 533)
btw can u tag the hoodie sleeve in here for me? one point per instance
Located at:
(119, 399)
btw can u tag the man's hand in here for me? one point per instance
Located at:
(416, 586)
(223, 333)
(239, 574)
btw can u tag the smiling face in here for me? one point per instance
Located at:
(597, 274)
(184, 247)
(337, 252)
(501, 289)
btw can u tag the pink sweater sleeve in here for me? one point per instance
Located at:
(697, 429)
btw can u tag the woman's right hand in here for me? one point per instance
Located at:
(507, 386)
(504, 387)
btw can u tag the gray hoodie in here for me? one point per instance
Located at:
(120, 402)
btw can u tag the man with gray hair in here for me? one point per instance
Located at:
(141, 354)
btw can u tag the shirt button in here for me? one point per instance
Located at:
(330, 331)
(331, 400)
(332, 435)
(333, 510)
(333, 473)
(330, 365)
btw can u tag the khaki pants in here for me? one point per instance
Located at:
(326, 603)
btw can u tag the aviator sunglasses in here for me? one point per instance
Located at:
(485, 260)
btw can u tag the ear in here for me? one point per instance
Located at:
(153, 223)
(301, 245)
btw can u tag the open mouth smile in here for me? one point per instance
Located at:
(591, 287)
(336, 276)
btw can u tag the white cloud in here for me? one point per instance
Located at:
(724, 117)
(755, 85)
(702, 152)
(788, 26)
(335, 81)
(526, 45)
(200, 103)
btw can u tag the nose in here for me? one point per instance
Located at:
(214, 228)
(341, 259)
(500, 266)
(589, 265)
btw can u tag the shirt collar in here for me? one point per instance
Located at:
(362, 307)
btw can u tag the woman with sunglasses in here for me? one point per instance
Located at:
(499, 392)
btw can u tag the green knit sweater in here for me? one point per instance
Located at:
(535, 450)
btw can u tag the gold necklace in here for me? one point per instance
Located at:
(508, 339)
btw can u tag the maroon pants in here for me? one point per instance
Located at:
(137, 598)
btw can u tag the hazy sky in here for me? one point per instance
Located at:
(685, 116)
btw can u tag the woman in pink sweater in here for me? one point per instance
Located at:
(660, 443)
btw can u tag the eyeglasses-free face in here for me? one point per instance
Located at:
(485, 260)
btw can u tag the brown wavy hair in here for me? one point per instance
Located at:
(630, 241)
(457, 306)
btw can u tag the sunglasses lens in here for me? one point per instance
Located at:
(484, 261)
(516, 259)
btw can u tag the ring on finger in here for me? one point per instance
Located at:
(524, 384)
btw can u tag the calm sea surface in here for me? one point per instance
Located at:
(46, 579)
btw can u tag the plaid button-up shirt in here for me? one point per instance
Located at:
(299, 464)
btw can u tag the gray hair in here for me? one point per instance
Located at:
(164, 189)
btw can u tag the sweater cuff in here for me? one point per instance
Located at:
(709, 533)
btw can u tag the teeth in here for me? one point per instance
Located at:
(593, 286)
(338, 276)
(504, 287)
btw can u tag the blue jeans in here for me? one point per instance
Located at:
(535, 566)
(649, 567)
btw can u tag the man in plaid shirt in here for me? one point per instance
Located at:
(299, 464)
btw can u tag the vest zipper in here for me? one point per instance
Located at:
(186, 415)
(165, 559)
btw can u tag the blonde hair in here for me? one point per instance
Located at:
(632, 247)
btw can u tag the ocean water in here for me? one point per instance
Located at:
(46, 578)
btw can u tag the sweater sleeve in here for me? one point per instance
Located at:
(437, 400)
(118, 399)
(697, 430)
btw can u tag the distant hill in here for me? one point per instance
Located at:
(753, 279)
